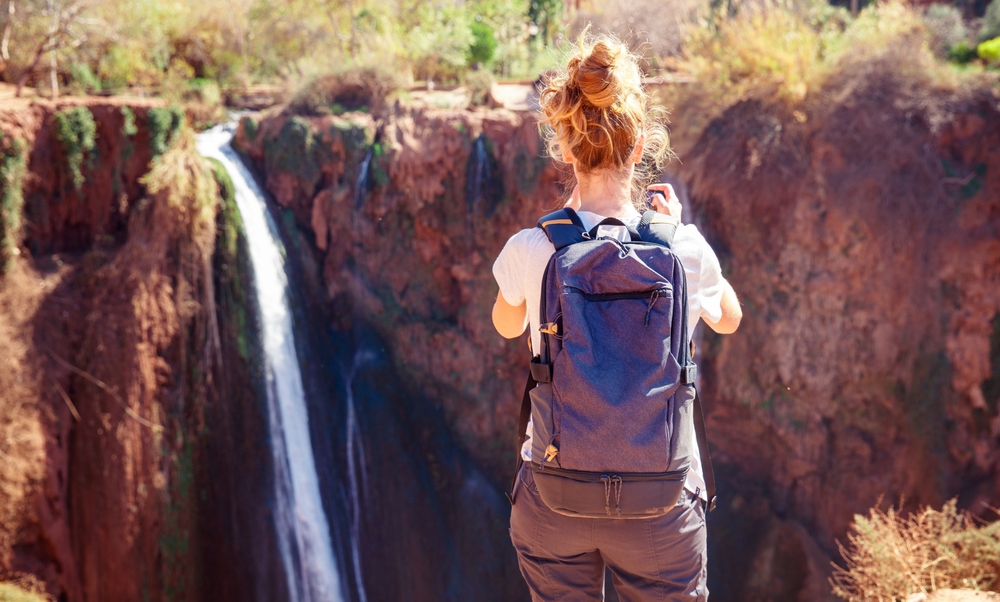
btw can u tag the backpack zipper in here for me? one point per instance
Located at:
(650, 294)
(600, 477)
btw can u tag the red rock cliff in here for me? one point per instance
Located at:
(861, 234)
(117, 369)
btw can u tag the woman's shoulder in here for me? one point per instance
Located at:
(689, 245)
(530, 239)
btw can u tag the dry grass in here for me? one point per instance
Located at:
(890, 557)
(787, 49)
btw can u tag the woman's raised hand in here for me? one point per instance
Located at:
(666, 201)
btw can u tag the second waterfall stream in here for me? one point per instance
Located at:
(303, 529)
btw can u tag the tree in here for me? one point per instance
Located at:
(5, 38)
(545, 14)
(63, 27)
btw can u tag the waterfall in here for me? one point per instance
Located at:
(303, 530)
(353, 465)
(477, 177)
(361, 191)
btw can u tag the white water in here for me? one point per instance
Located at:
(303, 530)
(353, 465)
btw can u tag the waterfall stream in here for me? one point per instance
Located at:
(303, 529)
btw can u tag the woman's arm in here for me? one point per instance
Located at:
(509, 320)
(732, 313)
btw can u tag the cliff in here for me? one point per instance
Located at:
(861, 234)
(136, 459)
(864, 238)
(860, 227)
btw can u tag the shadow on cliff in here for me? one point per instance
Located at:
(414, 517)
(157, 476)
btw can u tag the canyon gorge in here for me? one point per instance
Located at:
(859, 226)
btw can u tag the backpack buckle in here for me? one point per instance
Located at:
(542, 373)
(549, 328)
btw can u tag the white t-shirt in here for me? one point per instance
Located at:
(521, 264)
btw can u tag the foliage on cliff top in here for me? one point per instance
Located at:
(355, 89)
(789, 50)
(111, 45)
(188, 184)
(165, 124)
(891, 556)
(76, 133)
(13, 167)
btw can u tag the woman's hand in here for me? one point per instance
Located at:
(666, 201)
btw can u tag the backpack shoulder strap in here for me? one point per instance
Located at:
(706, 459)
(657, 227)
(563, 228)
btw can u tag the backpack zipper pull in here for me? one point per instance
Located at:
(618, 494)
(649, 306)
(550, 452)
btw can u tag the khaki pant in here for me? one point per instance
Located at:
(563, 558)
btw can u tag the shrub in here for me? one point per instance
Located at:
(354, 89)
(12, 593)
(164, 125)
(990, 28)
(13, 166)
(480, 87)
(773, 49)
(891, 556)
(128, 126)
(76, 133)
(946, 28)
(962, 53)
(203, 103)
(989, 51)
(82, 78)
(484, 43)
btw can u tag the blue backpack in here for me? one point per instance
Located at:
(611, 392)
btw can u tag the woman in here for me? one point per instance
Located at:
(599, 120)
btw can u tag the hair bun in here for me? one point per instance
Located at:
(600, 73)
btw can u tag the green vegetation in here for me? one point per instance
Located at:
(479, 84)
(175, 537)
(250, 126)
(191, 50)
(357, 89)
(294, 151)
(989, 51)
(13, 166)
(991, 23)
(891, 556)
(231, 261)
(129, 128)
(76, 133)
(165, 124)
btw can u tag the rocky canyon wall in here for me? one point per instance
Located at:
(136, 461)
(861, 228)
(861, 234)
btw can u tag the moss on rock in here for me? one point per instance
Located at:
(76, 133)
(13, 166)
